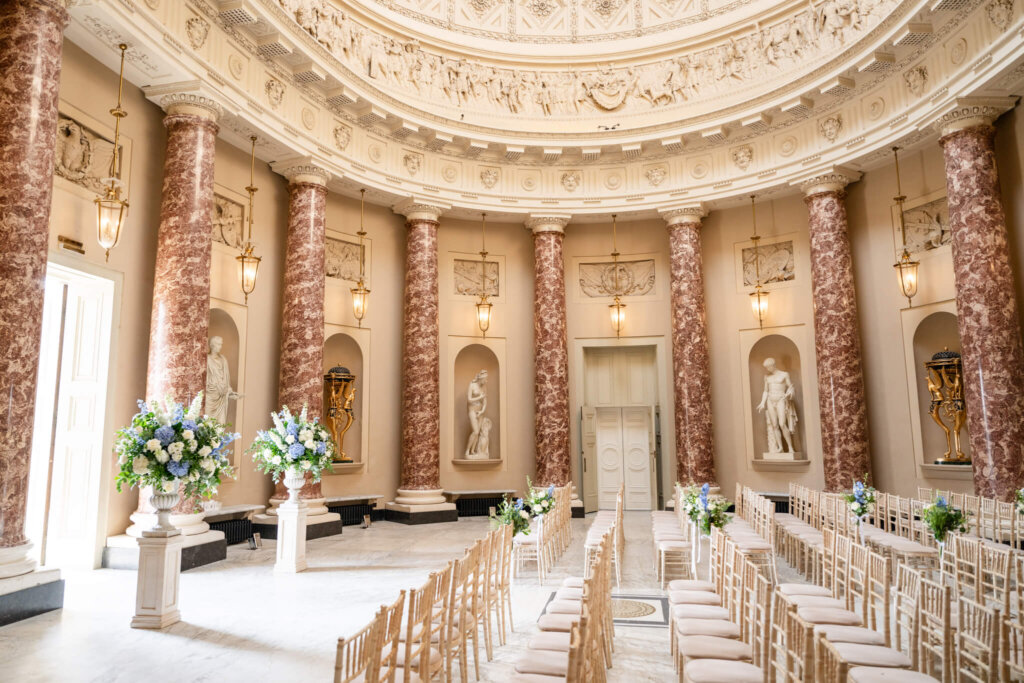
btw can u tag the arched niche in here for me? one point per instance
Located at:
(787, 357)
(469, 361)
(935, 332)
(341, 349)
(222, 325)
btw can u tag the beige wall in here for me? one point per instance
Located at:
(884, 317)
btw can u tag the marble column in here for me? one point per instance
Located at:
(691, 362)
(986, 301)
(30, 59)
(302, 319)
(551, 353)
(844, 425)
(180, 315)
(419, 490)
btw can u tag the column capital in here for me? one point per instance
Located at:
(193, 104)
(302, 170)
(965, 112)
(687, 213)
(421, 208)
(834, 179)
(554, 222)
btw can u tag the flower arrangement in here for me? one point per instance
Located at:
(540, 501)
(861, 499)
(705, 510)
(1019, 499)
(512, 512)
(941, 518)
(168, 444)
(294, 442)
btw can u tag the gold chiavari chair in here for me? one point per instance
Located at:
(390, 643)
(907, 598)
(359, 656)
(935, 630)
(977, 642)
(418, 655)
(1011, 651)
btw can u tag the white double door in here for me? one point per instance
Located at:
(625, 455)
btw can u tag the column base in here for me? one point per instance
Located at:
(190, 525)
(27, 595)
(421, 506)
(14, 561)
(122, 552)
(157, 589)
(317, 526)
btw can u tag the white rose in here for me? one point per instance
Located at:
(208, 464)
(289, 439)
(138, 430)
(168, 486)
(193, 444)
(310, 444)
(524, 514)
(216, 443)
(205, 451)
(154, 445)
(276, 460)
(187, 435)
(193, 475)
(162, 456)
(306, 464)
(305, 435)
(140, 465)
(267, 453)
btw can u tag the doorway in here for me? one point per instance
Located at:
(70, 431)
(624, 445)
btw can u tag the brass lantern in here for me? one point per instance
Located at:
(111, 210)
(759, 297)
(248, 262)
(616, 309)
(483, 307)
(360, 294)
(906, 267)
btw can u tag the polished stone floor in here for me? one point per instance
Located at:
(241, 622)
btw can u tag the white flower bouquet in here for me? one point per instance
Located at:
(295, 442)
(540, 501)
(167, 444)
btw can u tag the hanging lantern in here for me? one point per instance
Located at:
(111, 210)
(906, 267)
(483, 307)
(248, 262)
(617, 309)
(759, 297)
(360, 294)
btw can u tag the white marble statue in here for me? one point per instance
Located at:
(478, 446)
(780, 410)
(218, 382)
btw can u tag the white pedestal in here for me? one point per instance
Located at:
(291, 537)
(190, 524)
(14, 561)
(156, 597)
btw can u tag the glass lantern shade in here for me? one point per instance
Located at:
(248, 269)
(759, 304)
(111, 212)
(483, 315)
(617, 311)
(906, 270)
(360, 298)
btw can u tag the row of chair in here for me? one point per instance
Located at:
(549, 537)
(421, 635)
(989, 518)
(607, 521)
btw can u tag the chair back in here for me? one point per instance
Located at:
(977, 642)
(935, 629)
(359, 655)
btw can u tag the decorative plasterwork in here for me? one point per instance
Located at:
(684, 214)
(417, 209)
(302, 170)
(538, 224)
(192, 103)
(833, 181)
(972, 111)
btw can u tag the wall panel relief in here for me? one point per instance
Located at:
(466, 278)
(634, 278)
(227, 223)
(927, 222)
(342, 259)
(774, 261)
(83, 156)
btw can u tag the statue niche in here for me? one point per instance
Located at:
(780, 413)
(218, 382)
(341, 392)
(944, 375)
(478, 446)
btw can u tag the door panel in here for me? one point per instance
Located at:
(609, 456)
(637, 456)
(588, 433)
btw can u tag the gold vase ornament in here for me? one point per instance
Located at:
(944, 374)
(341, 392)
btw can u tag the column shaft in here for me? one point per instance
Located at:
(986, 303)
(421, 400)
(551, 360)
(844, 429)
(695, 456)
(30, 55)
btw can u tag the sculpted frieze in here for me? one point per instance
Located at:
(762, 53)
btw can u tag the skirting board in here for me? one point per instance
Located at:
(332, 528)
(28, 602)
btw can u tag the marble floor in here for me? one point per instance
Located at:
(240, 622)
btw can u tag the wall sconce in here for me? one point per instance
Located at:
(111, 210)
(906, 267)
(759, 297)
(483, 307)
(360, 294)
(248, 262)
(616, 309)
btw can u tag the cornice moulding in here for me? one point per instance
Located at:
(965, 112)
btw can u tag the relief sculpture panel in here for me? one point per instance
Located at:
(83, 156)
(634, 278)
(467, 278)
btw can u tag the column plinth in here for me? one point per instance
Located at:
(844, 427)
(551, 353)
(31, 54)
(691, 362)
(986, 303)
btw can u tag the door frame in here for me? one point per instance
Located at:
(101, 498)
(663, 368)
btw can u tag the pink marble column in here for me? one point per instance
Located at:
(986, 303)
(551, 353)
(420, 481)
(178, 341)
(30, 61)
(844, 426)
(691, 362)
(302, 318)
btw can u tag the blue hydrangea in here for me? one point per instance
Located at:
(941, 502)
(178, 469)
(296, 451)
(519, 503)
(321, 447)
(292, 429)
(189, 424)
(165, 434)
(179, 412)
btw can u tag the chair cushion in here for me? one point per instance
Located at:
(668, 545)
(573, 582)
(565, 607)
(551, 640)
(850, 634)
(722, 671)
(815, 601)
(691, 585)
(436, 659)
(685, 611)
(753, 546)
(531, 678)
(722, 628)
(693, 598)
(872, 655)
(557, 622)
(544, 662)
(829, 615)
(876, 674)
(803, 589)
(710, 647)
(400, 675)
(565, 593)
